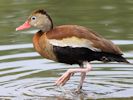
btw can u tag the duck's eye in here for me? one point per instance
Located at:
(33, 18)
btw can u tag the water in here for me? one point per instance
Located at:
(24, 75)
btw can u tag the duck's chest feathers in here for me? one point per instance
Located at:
(43, 47)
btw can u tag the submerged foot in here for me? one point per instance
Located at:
(78, 91)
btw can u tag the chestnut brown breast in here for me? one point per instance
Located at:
(42, 46)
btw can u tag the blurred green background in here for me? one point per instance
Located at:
(111, 18)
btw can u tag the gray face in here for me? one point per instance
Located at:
(40, 21)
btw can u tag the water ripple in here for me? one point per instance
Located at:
(34, 78)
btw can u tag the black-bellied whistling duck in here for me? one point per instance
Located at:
(70, 44)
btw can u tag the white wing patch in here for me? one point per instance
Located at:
(73, 42)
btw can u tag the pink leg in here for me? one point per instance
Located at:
(83, 75)
(66, 76)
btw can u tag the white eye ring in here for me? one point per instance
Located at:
(33, 18)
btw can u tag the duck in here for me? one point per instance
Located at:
(70, 44)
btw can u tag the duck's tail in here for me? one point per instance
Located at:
(114, 57)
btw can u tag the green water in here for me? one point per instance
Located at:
(24, 75)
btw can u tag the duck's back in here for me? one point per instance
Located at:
(74, 34)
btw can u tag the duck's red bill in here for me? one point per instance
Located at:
(26, 25)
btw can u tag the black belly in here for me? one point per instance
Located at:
(77, 55)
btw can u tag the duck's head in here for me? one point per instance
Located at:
(38, 19)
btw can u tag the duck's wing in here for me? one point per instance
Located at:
(78, 36)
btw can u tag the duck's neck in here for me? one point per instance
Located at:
(46, 29)
(48, 25)
(40, 33)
